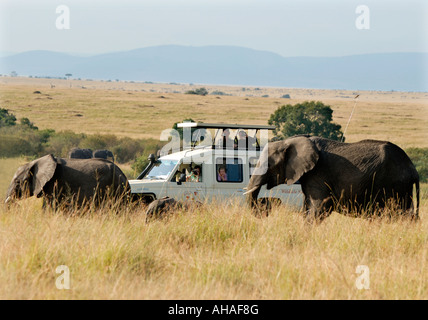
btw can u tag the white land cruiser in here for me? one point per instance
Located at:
(225, 167)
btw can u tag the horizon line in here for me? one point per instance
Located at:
(5, 54)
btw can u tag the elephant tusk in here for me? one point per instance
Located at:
(250, 191)
(8, 199)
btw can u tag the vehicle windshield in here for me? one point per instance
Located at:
(161, 170)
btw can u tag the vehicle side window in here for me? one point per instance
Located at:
(229, 170)
(188, 173)
(195, 174)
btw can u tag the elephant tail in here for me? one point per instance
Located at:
(417, 198)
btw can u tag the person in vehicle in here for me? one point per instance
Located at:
(225, 140)
(195, 175)
(221, 175)
(244, 141)
(180, 176)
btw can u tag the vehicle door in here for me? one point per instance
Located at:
(184, 186)
(229, 178)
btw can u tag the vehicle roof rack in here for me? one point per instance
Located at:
(203, 125)
(223, 126)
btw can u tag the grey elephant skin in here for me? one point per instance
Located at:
(62, 180)
(103, 154)
(351, 178)
(159, 207)
(77, 153)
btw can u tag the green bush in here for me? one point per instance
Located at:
(29, 142)
(140, 163)
(200, 92)
(98, 141)
(219, 93)
(6, 119)
(25, 122)
(127, 149)
(24, 139)
(419, 157)
(12, 146)
(180, 130)
(62, 142)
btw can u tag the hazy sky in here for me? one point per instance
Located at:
(287, 27)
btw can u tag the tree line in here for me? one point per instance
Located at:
(23, 138)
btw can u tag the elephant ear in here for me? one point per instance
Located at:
(301, 156)
(43, 170)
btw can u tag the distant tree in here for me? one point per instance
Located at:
(13, 74)
(68, 75)
(309, 117)
(199, 91)
(25, 122)
(7, 119)
(219, 93)
(180, 130)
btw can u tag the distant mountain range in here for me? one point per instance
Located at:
(231, 65)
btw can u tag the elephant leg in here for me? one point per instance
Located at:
(408, 209)
(412, 214)
(318, 210)
(46, 203)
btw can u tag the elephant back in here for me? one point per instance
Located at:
(103, 154)
(77, 153)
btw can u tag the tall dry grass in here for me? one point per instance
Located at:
(216, 252)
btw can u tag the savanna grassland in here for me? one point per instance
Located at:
(219, 251)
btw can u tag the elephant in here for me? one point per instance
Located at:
(103, 154)
(60, 181)
(158, 208)
(359, 179)
(77, 153)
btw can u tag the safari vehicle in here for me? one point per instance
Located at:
(225, 166)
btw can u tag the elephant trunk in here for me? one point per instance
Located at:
(256, 182)
(12, 194)
(252, 196)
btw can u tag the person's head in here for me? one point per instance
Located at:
(226, 133)
(222, 170)
(197, 170)
(242, 134)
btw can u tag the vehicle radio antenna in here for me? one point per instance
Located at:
(350, 117)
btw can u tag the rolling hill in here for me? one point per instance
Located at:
(231, 66)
